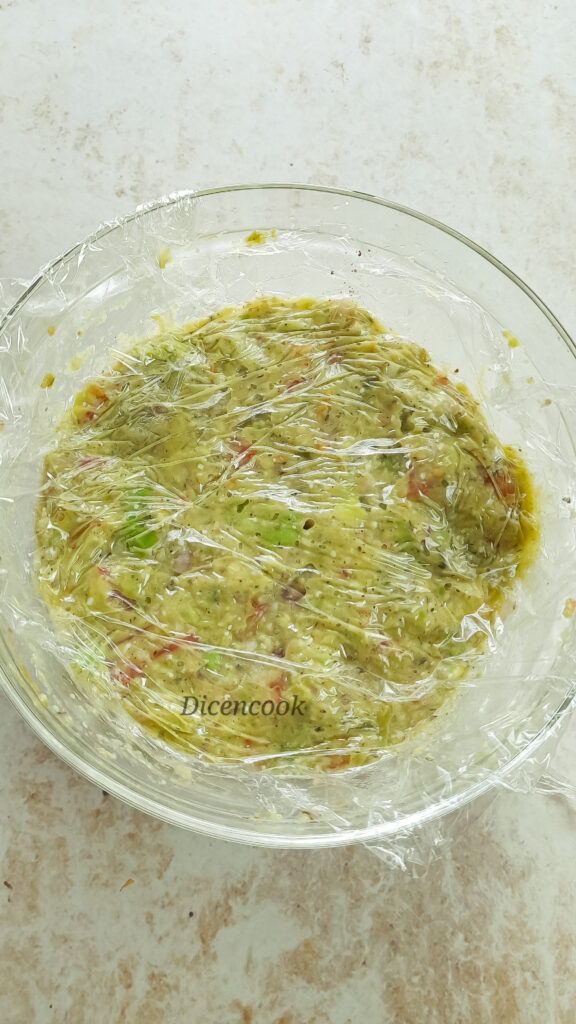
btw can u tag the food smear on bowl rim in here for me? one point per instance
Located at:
(281, 504)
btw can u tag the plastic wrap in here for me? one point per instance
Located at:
(285, 504)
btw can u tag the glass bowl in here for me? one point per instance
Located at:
(188, 255)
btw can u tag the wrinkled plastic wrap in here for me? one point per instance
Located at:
(234, 512)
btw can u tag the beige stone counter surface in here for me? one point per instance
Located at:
(467, 112)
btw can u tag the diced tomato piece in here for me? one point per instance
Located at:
(502, 482)
(166, 649)
(277, 686)
(295, 383)
(418, 488)
(242, 449)
(124, 674)
(258, 611)
(173, 646)
(420, 485)
(338, 761)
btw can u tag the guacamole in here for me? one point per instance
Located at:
(284, 502)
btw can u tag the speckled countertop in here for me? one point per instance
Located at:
(466, 111)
